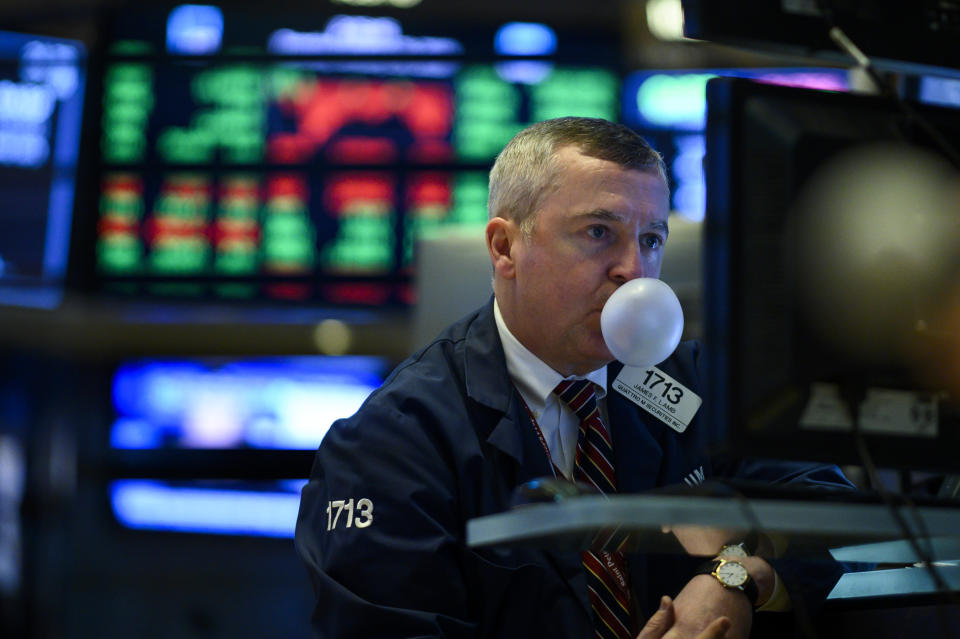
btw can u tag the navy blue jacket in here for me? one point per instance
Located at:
(446, 439)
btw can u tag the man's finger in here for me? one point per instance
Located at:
(716, 630)
(660, 622)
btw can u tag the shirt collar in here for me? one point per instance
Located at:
(532, 376)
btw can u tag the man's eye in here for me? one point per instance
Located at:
(597, 232)
(652, 241)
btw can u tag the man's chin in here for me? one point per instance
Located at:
(597, 358)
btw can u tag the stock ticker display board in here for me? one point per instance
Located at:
(244, 161)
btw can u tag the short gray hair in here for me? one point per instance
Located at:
(527, 166)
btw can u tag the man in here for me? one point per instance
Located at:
(577, 207)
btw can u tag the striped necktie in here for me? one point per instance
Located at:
(607, 579)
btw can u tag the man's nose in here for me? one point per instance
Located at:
(629, 265)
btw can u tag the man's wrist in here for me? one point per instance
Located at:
(763, 576)
(732, 575)
(761, 572)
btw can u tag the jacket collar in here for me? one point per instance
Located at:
(487, 383)
(485, 365)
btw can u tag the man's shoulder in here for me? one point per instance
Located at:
(445, 351)
(437, 372)
(425, 400)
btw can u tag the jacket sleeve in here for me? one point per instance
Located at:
(797, 473)
(378, 530)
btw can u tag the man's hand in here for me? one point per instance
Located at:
(661, 625)
(703, 600)
(704, 609)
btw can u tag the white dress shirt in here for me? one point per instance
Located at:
(536, 380)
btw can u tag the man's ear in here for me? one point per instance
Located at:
(501, 235)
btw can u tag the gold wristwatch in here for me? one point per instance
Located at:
(733, 575)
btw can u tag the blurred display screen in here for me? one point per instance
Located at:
(13, 474)
(41, 105)
(939, 91)
(669, 108)
(286, 403)
(221, 508)
(269, 403)
(304, 164)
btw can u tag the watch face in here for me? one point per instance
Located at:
(733, 550)
(732, 574)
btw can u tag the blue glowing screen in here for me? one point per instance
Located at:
(194, 29)
(274, 403)
(525, 38)
(41, 105)
(940, 91)
(677, 100)
(207, 509)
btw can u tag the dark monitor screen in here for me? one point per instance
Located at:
(41, 104)
(251, 157)
(789, 375)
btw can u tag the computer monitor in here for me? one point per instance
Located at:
(42, 83)
(779, 382)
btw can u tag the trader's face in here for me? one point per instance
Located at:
(602, 225)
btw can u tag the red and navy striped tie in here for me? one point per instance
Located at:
(607, 579)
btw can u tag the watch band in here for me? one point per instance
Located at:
(752, 542)
(749, 587)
